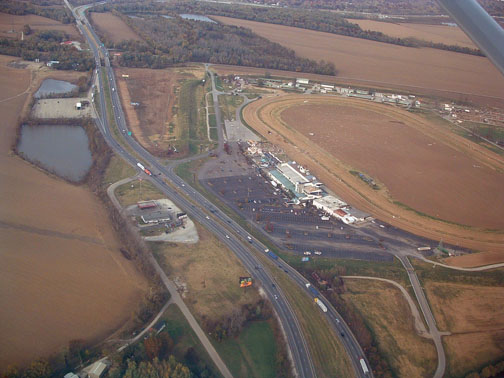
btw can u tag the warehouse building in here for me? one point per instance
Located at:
(156, 217)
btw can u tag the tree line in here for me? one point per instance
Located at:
(45, 45)
(176, 40)
(21, 8)
(296, 17)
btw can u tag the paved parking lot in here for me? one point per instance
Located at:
(291, 227)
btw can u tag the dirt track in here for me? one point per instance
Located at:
(264, 116)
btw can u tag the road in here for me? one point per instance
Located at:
(295, 338)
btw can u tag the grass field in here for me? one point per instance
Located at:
(134, 191)
(385, 64)
(336, 148)
(113, 28)
(165, 108)
(11, 26)
(475, 317)
(229, 104)
(389, 318)
(117, 170)
(58, 249)
(448, 35)
(210, 273)
(253, 353)
(184, 338)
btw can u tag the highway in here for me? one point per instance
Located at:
(297, 344)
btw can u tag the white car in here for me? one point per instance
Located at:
(318, 253)
(207, 217)
(307, 253)
(227, 236)
(266, 250)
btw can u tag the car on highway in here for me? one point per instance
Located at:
(227, 236)
(207, 217)
(266, 250)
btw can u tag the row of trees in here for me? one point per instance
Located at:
(175, 40)
(301, 18)
(45, 46)
(20, 8)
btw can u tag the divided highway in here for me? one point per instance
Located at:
(228, 231)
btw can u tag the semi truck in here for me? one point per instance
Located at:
(147, 172)
(272, 255)
(364, 366)
(321, 304)
(140, 166)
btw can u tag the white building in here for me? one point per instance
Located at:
(292, 174)
(302, 81)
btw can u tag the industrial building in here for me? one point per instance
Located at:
(156, 217)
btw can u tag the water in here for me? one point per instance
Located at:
(63, 150)
(197, 17)
(54, 86)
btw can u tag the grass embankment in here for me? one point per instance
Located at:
(469, 305)
(389, 319)
(134, 191)
(329, 356)
(117, 170)
(209, 273)
(192, 122)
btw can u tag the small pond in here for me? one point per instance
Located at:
(197, 17)
(54, 86)
(63, 150)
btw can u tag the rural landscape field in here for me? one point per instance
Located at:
(384, 64)
(249, 189)
(62, 275)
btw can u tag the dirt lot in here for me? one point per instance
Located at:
(380, 63)
(389, 316)
(154, 120)
(9, 23)
(374, 141)
(61, 108)
(62, 276)
(114, 29)
(448, 35)
(264, 115)
(474, 316)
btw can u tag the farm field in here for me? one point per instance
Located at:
(474, 316)
(62, 276)
(375, 139)
(158, 122)
(391, 322)
(449, 35)
(113, 28)
(376, 63)
(10, 22)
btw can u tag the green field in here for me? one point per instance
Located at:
(134, 191)
(253, 353)
(117, 170)
(229, 104)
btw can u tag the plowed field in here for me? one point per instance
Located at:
(62, 276)
(386, 64)
(450, 182)
(114, 29)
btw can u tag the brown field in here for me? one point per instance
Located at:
(475, 317)
(389, 316)
(375, 63)
(406, 134)
(113, 28)
(211, 272)
(154, 122)
(9, 22)
(448, 35)
(62, 276)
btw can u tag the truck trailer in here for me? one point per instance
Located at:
(364, 366)
(321, 304)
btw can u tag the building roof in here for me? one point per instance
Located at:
(285, 182)
(341, 212)
(156, 215)
(291, 174)
(330, 202)
(308, 189)
(98, 369)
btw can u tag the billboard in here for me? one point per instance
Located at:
(245, 281)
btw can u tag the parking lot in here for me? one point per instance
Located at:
(292, 227)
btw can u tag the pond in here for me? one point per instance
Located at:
(197, 17)
(51, 86)
(63, 150)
